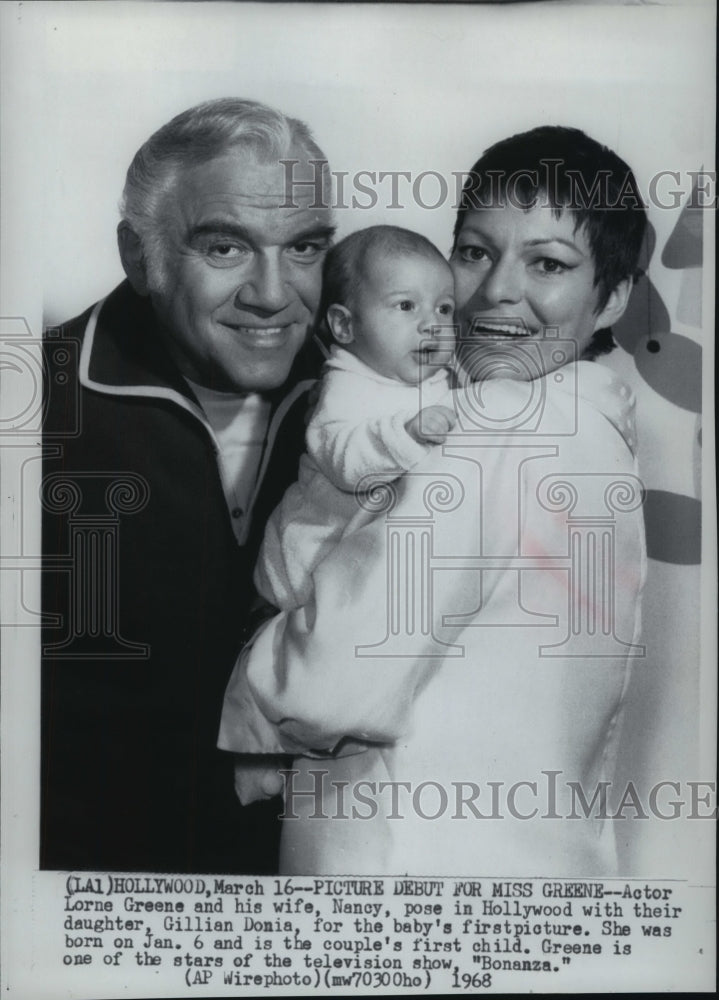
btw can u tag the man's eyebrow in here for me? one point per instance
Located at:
(216, 227)
(413, 291)
(227, 227)
(323, 232)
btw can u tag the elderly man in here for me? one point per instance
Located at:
(174, 421)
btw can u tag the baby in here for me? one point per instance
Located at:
(388, 306)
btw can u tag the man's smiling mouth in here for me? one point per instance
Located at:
(261, 336)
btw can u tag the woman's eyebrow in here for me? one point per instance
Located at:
(473, 231)
(553, 239)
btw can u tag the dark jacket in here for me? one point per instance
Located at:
(146, 594)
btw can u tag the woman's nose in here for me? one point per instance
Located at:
(501, 284)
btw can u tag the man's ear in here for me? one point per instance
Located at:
(615, 305)
(132, 257)
(339, 320)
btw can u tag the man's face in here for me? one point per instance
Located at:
(242, 275)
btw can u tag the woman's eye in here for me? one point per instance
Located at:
(548, 265)
(473, 253)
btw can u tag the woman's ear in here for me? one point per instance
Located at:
(615, 305)
(132, 257)
(339, 320)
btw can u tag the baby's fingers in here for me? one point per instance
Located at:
(437, 420)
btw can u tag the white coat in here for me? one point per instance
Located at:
(469, 645)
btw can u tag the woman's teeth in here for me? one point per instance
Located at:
(501, 331)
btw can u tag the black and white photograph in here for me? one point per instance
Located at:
(358, 565)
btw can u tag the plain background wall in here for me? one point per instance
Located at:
(410, 88)
(384, 88)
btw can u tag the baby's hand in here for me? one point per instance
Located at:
(432, 424)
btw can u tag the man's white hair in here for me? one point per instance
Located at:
(196, 136)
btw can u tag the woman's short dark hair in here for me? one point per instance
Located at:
(567, 170)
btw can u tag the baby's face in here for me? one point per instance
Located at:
(402, 316)
(519, 274)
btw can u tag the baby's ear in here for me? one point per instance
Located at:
(615, 305)
(339, 320)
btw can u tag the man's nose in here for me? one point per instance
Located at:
(502, 284)
(264, 290)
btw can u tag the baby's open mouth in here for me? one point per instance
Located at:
(435, 354)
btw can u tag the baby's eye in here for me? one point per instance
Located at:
(446, 309)
(406, 305)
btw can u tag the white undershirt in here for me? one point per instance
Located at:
(239, 422)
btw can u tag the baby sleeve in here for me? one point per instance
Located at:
(358, 432)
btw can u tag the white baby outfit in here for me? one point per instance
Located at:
(357, 431)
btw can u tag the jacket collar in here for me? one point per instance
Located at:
(123, 355)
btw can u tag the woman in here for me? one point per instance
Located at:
(454, 687)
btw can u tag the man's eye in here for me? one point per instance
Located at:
(406, 305)
(309, 249)
(224, 251)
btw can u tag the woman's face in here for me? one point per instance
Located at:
(525, 292)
